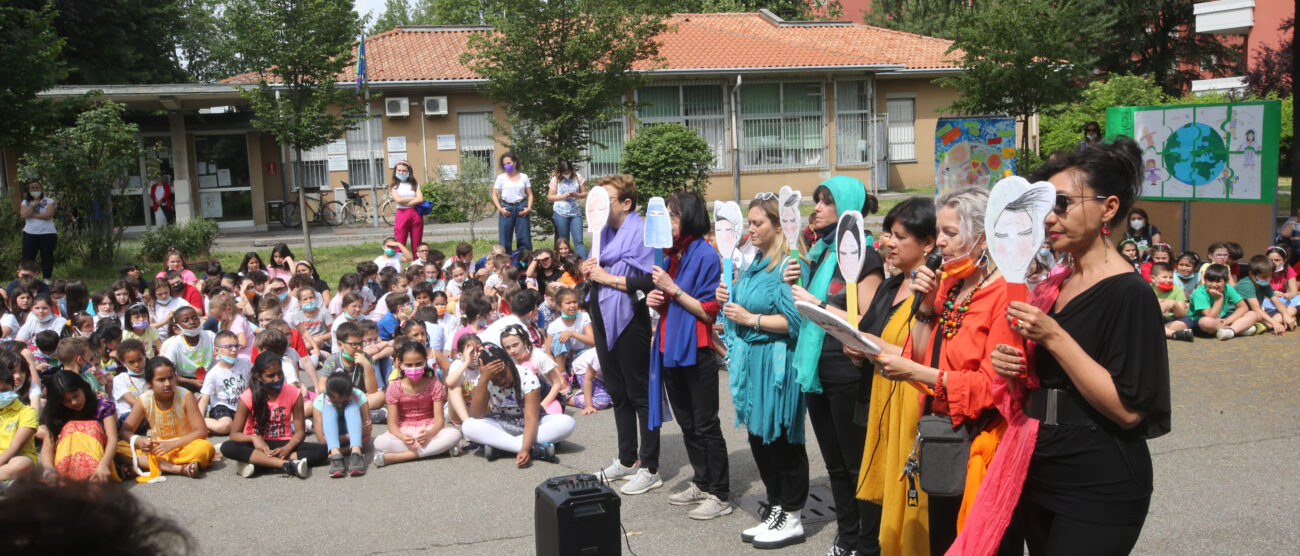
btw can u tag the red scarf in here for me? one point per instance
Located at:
(674, 254)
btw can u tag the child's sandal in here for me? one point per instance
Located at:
(191, 470)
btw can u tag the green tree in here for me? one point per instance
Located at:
(932, 18)
(668, 157)
(396, 14)
(30, 58)
(298, 98)
(117, 42)
(1063, 129)
(1022, 73)
(559, 66)
(83, 166)
(469, 193)
(1158, 38)
(205, 42)
(791, 10)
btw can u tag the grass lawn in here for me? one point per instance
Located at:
(1283, 196)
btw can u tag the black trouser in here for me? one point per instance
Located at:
(693, 394)
(626, 368)
(1048, 533)
(943, 528)
(841, 441)
(783, 467)
(44, 244)
(315, 454)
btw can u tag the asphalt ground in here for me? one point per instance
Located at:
(1225, 483)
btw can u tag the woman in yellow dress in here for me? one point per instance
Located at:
(178, 436)
(895, 407)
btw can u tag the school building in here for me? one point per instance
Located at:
(781, 102)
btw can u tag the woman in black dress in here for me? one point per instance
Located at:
(1103, 371)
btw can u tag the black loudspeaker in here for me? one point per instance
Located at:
(577, 515)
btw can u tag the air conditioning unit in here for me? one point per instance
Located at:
(435, 106)
(397, 107)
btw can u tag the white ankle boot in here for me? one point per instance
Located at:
(766, 518)
(785, 530)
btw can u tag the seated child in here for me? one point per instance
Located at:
(1158, 253)
(1129, 249)
(1284, 281)
(379, 351)
(570, 333)
(177, 435)
(416, 425)
(25, 382)
(342, 405)
(74, 354)
(505, 412)
(228, 378)
(138, 328)
(1218, 310)
(586, 368)
(269, 428)
(44, 360)
(1257, 288)
(311, 319)
(1185, 272)
(18, 425)
(462, 376)
(350, 305)
(351, 362)
(190, 350)
(128, 385)
(400, 310)
(1173, 302)
(516, 341)
(81, 431)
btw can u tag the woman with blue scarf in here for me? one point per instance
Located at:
(684, 357)
(762, 327)
(833, 386)
(621, 323)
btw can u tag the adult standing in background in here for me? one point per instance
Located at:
(567, 187)
(512, 194)
(620, 321)
(1141, 231)
(163, 201)
(1091, 135)
(39, 235)
(406, 194)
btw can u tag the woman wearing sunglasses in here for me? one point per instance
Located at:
(1100, 371)
(684, 356)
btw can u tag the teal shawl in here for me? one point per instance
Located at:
(849, 193)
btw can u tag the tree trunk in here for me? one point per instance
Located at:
(302, 206)
(1295, 122)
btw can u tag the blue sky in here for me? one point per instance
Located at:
(363, 6)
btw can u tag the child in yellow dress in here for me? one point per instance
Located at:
(178, 437)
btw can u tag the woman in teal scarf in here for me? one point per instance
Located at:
(834, 387)
(762, 326)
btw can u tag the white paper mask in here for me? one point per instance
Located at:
(848, 245)
(597, 217)
(791, 220)
(1013, 224)
(726, 226)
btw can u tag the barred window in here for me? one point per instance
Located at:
(701, 108)
(902, 129)
(853, 123)
(782, 126)
(366, 154)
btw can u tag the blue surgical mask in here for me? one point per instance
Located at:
(7, 398)
(1184, 276)
(136, 374)
(274, 386)
(389, 252)
(403, 176)
(229, 359)
(309, 307)
(1259, 282)
(1045, 253)
(482, 323)
(283, 296)
(46, 319)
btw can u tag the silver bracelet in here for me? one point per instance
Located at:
(758, 322)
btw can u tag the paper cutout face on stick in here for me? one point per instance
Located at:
(849, 244)
(597, 217)
(1013, 224)
(726, 226)
(658, 225)
(790, 218)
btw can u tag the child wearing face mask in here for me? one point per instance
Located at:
(106, 309)
(225, 381)
(461, 378)
(416, 425)
(571, 333)
(1173, 302)
(269, 428)
(230, 319)
(311, 320)
(340, 414)
(1257, 288)
(177, 436)
(400, 310)
(353, 361)
(40, 318)
(476, 311)
(162, 307)
(18, 426)
(74, 354)
(1185, 272)
(395, 254)
(351, 311)
(191, 349)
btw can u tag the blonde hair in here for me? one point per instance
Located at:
(221, 301)
(772, 208)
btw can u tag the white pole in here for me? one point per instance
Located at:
(377, 171)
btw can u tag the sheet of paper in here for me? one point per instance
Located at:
(338, 163)
(223, 177)
(447, 142)
(397, 143)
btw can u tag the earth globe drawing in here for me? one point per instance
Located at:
(1194, 154)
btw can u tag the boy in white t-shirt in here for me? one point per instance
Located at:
(395, 254)
(228, 378)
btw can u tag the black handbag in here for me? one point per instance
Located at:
(942, 450)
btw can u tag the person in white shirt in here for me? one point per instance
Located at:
(40, 318)
(406, 195)
(395, 255)
(225, 381)
(512, 194)
(39, 234)
(191, 351)
(163, 307)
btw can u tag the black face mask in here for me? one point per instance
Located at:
(178, 288)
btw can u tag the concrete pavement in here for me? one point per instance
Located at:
(1225, 483)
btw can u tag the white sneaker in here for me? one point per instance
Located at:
(1225, 334)
(1254, 329)
(644, 481)
(766, 517)
(711, 507)
(786, 530)
(689, 497)
(616, 472)
(244, 469)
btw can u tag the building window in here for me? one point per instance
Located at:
(782, 126)
(474, 131)
(701, 108)
(902, 129)
(313, 169)
(606, 150)
(853, 123)
(366, 154)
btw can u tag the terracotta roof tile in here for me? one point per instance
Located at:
(727, 41)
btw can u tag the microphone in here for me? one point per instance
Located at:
(932, 262)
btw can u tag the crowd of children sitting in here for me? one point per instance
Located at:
(444, 355)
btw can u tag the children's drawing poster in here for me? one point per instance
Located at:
(1204, 152)
(973, 151)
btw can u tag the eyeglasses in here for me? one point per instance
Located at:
(1063, 201)
(353, 344)
(228, 346)
(515, 330)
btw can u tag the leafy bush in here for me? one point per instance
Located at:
(1027, 161)
(468, 198)
(11, 244)
(1064, 129)
(444, 210)
(193, 238)
(667, 157)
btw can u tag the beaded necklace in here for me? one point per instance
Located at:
(953, 313)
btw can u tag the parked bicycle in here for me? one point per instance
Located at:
(319, 211)
(357, 210)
